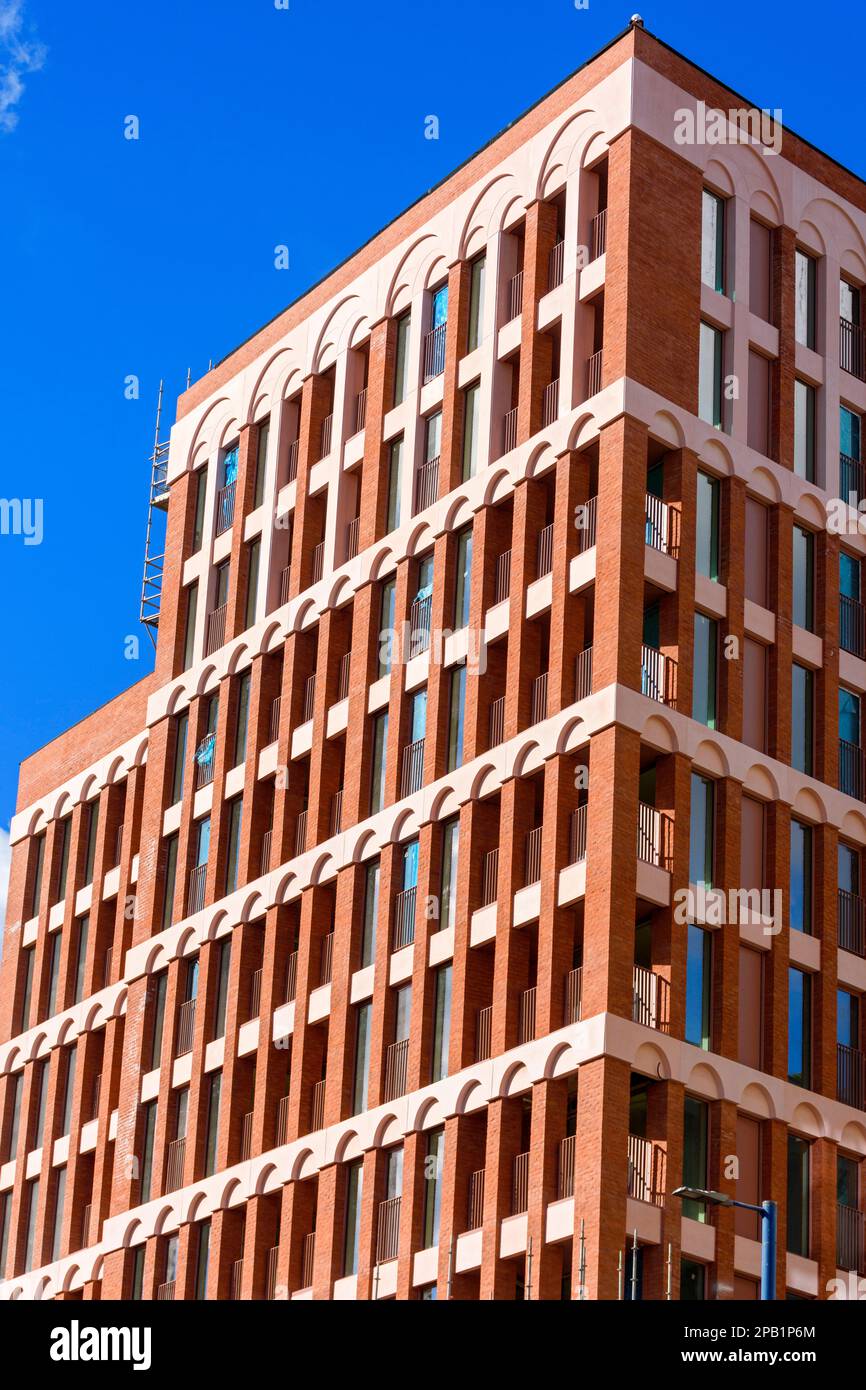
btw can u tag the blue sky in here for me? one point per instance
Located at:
(258, 126)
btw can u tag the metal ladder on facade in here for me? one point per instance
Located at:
(154, 545)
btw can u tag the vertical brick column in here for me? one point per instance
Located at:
(380, 396)
(548, 1128)
(309, 514)
(412, 1209)
(782, 368)
(670, 930)
(524, 638)
(778, 873)
(732, 533)
(665, 1112)
(827, 680)
(503, 1145)
(245, 488)
(722, 1148)
(477, 836)
(779, 674)
(601, 1172)
(515, 822)
(555, 934)
(439, 675)
(726, 941)
(172, 604)
(619, 582)
(535, 347)
(456, 338)
(825, 844)
(566, 611)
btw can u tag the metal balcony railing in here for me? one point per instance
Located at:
(225, 508)
(475, 1201)
(97, 1091)
(533, 856)
(107, 962)
(851, 1076)
(586, 539)
(396, 1063)
(326, 962)
(308, 1259)
(556, 265)
(309, 699)
(550, 403)
(327, 433)
(292, 977)
(205, 761)
(577, 835)
(544, 552)
(247, 1137)
(256, 993)
(583, 674)
(317, 1109)
(197, 885)
(565, 1177)
(650, 999)
(185, 1027)
(515, 296)
(118, 843)
(593, 373)
(265, 856)
(165, 1292)
(293, 461)
(538, 709)
(502, 585)
(353, 531)
(653, 836)
(657, 524)
(336, 814)
(434, 352)
(852, 356)
(490, 877)
(658, 676)
(237, 1280)
(645, 1170)
(520, 1185)
(496, 722)
(412, 770)
(360, 410)
(318, 563)
(419, 624)
(343, 676)
(216, 629)
(174, 1165)
(404, 919)
(852, 769)
(283, 1121)
(388, 1230)
(573, 995)
(851, 1239)
(483, 1033)
(526, 1017)
(271, 1276)
(851, 919)
(85, 1224)
(852, 626)
(852, 479)
(285, 580)
(426, 484)
(301, 832)
(598, 235)
(509, 430)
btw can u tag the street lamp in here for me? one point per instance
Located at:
(767, 1213)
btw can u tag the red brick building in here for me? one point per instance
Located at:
(482, 860)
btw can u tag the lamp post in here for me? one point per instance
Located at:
(768, 1215)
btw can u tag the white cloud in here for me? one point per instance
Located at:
(20, 53)
(5, 861)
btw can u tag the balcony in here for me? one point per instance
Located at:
(107, 962)
(185, 1028)
(650, 999)
(118, 843)
(326, 961)
(215, 634)
(237, 1280)
(657, 535)
(654, 833)
(396, 1065)
(285, 580)
(565, 1176)
(271, 1276)
(419, 624)
(426, 484)
(851, 1239)
(335, 823)
(852, 769)
(496, 722)
(97, 1091)
(265, 853)
(274, 724)
(308, 1259)
(544, 552)
(343, 676)
(326, 436)
(538, 707)
(573, 995)
(317, 1107)
(165, 1292)
(204, 761)
(556, 266)
(852, 626)
(593, 374)
(520, 1185)
(502, 583)
(587, 535)
(197, 885)
(526, 1017)
(412, 771)
(247, 1137)
(852, 480)
(550, 403)
(484, 1034)
(598, 235)
(360, 410)
(490, 877)
(434, 352)
(852, 357)
(225, 508)
(533, 856)
(851, 919)
(646, 1171)
(475, 1201)
(583, 674)
(318, 568)
(658, 676)
(292, 978)
(255, 1007)
(174, 1165)
(352, 535)
(515, 296)
(509, 431)
(404, 919)
(301, 832)
(577, 835)
(851, 1076)
(388, 1230)
(283, 1121)
(309, 699)
(292, 471)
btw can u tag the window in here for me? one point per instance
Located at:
(200, 500)
(221, 585)
(805, 280)
(802, 688)
(433, 1186)
(801, 877)
(847, 1181)
(463, 586)
(476, 302)
(471, 425)
(754, 694)
(264, 433)
(704, 677)
(804, 579)
(92, 829)
(181, 729)
(242, 719)
(760, 259)
(53, 972)
(756, 552)
(695, 1149)
(847, 1019)
(65, 837)
(234, 844)
(804, 430)
(710, 362)
(224, 964)
(81, 957)
(148, 1134)
(850, 780)
(849, 302)
(32, 1206)
(371, 914)
(693, 1281)
(441, 1023)
(38, 1101)
(450, 851)
(701, 831)
(387, 612)
(38, 867)
(28, 957)
(201, 831)
(395, 483)
(253, 556)
(798, 1196)
(699, 974)
(433, 436)
(202, 1259)
(799, 1027)
(169, 880)
(189, 629)
(171, 1249)
(214, 1086)
(401, 372)
(69, 1056)
(707, 554)
(14, 1088)
(713, 242)
(849, 447)
(380, 742)
(455, 717)
(352, 1240)
(159, 988)
(751, 1008)
(758, 414)
(363, 1015)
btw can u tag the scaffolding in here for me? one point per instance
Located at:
(154, 545)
